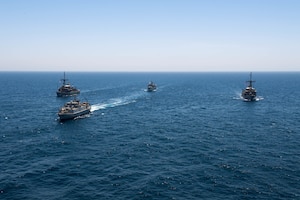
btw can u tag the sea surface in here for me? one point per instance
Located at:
(194, 138)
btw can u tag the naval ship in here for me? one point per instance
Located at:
(66, 89)
(151, 87)
(249, 93)
(74, 109)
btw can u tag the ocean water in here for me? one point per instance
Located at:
(194, 138)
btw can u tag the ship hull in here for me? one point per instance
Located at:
(65, 94)
(68, 116)
(249, 95)
(151, 90)
(249, 98)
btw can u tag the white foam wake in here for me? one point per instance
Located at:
(239, 97)
(114, 102)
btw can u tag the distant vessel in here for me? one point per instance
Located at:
(249, 93)
(73, 109)
(151, 87)
(66, 89)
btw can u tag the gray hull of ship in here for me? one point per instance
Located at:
(249, 98)
(66, 116)
(65, 94)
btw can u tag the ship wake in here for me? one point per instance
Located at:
(114, 102)
(239, 97)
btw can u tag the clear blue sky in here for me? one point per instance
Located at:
(149, 35)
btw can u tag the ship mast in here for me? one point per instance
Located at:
(250, 81)
(64, 79)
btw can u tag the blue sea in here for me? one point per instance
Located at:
(194, 138)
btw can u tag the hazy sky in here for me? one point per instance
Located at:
(150, 35)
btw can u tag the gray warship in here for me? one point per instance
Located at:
(151, 87)
(66, 89)
(249, 93)
(73, 109)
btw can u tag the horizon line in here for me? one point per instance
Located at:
(79, 71)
